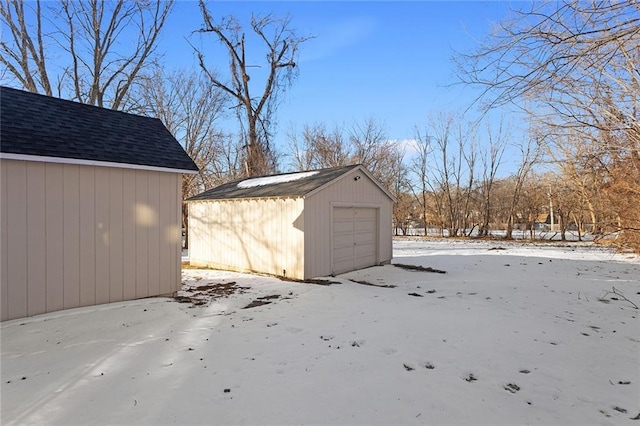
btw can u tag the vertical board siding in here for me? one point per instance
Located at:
(165, 257)
(36, 236)
(102, 237)
(129, 234)
(54, 243)
(116, 236)
(153, 273)
(254, 235)
(175, 240)
(79, 235)
(142, 218)
(87, 200)
(17, 240)
(4, 245)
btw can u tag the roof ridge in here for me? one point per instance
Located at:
(301, 171)
(77, 103)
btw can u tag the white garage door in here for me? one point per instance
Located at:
(354, 238)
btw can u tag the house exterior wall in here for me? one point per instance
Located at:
(263, 235)
(318, 210)
(76, 235)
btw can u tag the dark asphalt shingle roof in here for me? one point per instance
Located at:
(33, 124)
(287, 188)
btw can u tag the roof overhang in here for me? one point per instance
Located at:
(275, 197)
(79, 162)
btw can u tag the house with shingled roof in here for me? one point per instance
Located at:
(91, 205)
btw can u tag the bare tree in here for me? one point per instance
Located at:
(491, 158)
(105, 47)
(402, 211)
(576, 63)
(529, 156)
(23, 53)
(453, 170)
(371, 147)
(256, 113)
(190, 107)
(574, 67)
(534, 201)
(363, 143)
(419, 170)
(320, 148)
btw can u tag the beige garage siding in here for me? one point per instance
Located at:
(345, 192)
(90, 235)
(252, 235)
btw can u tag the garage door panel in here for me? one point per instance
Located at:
(340, 241)
(345, 213)
(342, 266)
(365, 225)
(363, 238)
(354, 238)
(364, 250)
(364, 262)
(343, 252)
(341, 227)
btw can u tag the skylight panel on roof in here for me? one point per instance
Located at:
(272, 180)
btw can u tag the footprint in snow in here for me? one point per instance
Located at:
(470, 378)
(512, 387)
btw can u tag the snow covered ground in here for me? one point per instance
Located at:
(510, 334)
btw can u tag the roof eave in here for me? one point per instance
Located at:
(272, 197)
(81, 162)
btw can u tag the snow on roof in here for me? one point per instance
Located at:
(271, 180)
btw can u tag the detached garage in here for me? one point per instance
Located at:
(90, 205)
(298, 225)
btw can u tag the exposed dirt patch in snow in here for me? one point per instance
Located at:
(419, 268)
(364, 282)
(204, 293)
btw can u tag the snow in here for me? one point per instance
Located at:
(524, 320)
(271, 180)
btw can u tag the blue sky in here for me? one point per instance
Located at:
(386, 60)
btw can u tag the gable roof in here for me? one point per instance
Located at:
(44, 128)
(283, 185)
